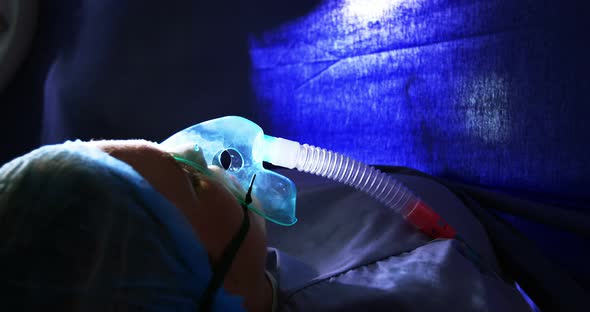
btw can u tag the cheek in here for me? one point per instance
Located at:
(222, 218)
(258, 223)
(216, 217)
(249, 263)
(258, 238)
(248, 266)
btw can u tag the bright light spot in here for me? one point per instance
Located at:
(485, 100)
(370, 10)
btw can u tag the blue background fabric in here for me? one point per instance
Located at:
(93, 235)
(486, 92)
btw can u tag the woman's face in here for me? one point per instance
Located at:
(211, 208)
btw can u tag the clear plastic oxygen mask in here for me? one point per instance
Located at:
(236, 144)
(240, 147)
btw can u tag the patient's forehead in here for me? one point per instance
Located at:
(129, 145)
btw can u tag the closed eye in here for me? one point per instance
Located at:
(193, 175)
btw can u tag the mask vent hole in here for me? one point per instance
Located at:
(229, 159)
(225, 159)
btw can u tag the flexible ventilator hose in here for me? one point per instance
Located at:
(382, 187)
(367, 179)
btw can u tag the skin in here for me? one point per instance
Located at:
(213, 212)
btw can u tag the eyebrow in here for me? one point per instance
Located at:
(198, 170)
(193, 165)
(195, 171)
(194, 175)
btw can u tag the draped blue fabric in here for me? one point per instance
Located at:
(486, 92)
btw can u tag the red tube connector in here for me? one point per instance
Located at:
(428, 221)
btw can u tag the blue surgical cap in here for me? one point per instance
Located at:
(81, 230)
